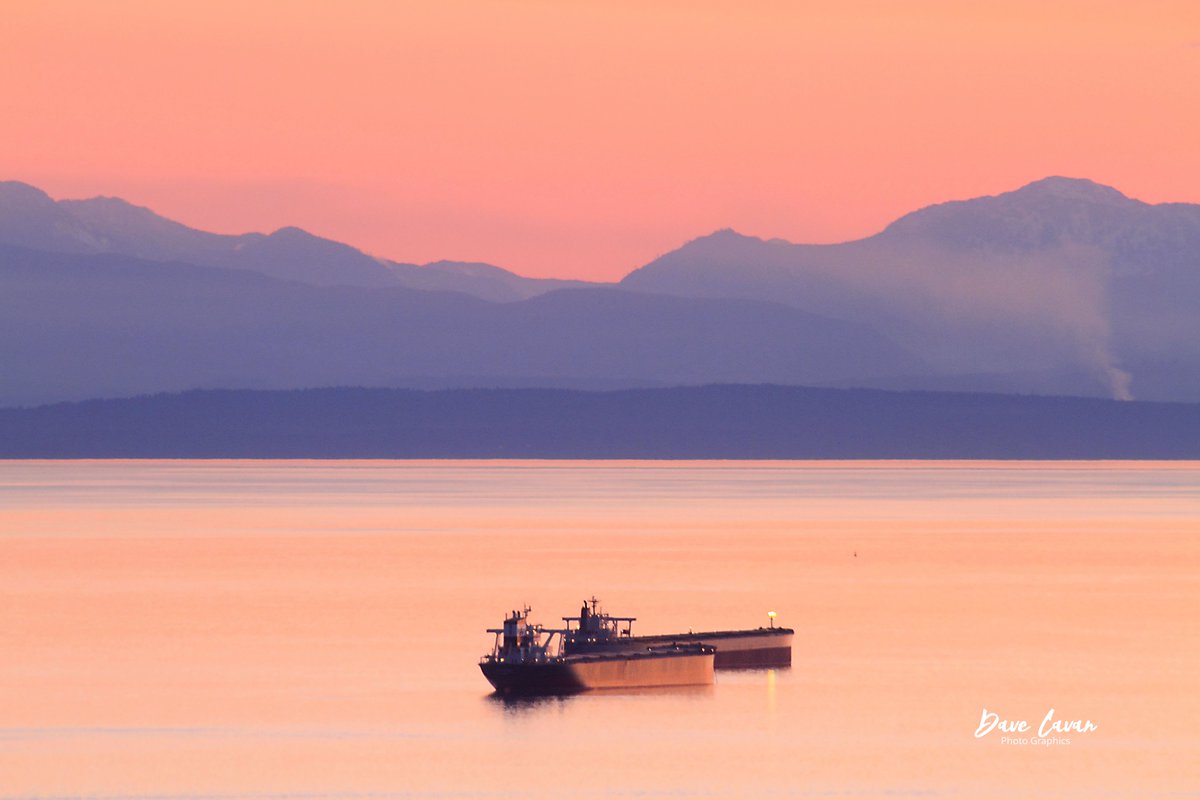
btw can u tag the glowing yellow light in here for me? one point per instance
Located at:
(771, 614)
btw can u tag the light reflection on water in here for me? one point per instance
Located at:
(312, 629)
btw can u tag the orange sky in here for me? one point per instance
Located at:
(582, 139)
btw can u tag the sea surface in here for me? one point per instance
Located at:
(304, 630)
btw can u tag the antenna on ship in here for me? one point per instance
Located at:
(770, 619)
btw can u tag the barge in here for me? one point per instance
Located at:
(595, 632)
(529, 659)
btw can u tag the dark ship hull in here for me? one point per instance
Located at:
(749, 649)
(685, 666)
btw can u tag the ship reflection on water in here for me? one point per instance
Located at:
(527, 704)
(531, 704)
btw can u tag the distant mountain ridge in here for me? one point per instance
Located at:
(1061, 276)
(1063, 287)
(74, 326)
(30, 218)
(1059, 211)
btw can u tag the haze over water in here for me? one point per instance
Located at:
(311, 629)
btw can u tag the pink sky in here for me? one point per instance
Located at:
(583, 139)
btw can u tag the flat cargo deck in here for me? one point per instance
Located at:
(747, 649)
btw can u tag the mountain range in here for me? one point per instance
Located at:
(29, 218)
(1063, 286)
(1060, 287)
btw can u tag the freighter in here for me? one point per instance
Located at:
(528, 659)
(594, 631)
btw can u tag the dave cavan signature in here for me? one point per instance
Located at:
(990, 721)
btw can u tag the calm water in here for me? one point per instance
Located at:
(311, 629)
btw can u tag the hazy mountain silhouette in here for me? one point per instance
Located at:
(1063, 285)
(1060, 287)
(484, 281)
(74, 326)
(30, 218)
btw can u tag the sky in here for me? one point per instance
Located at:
(583, 139)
